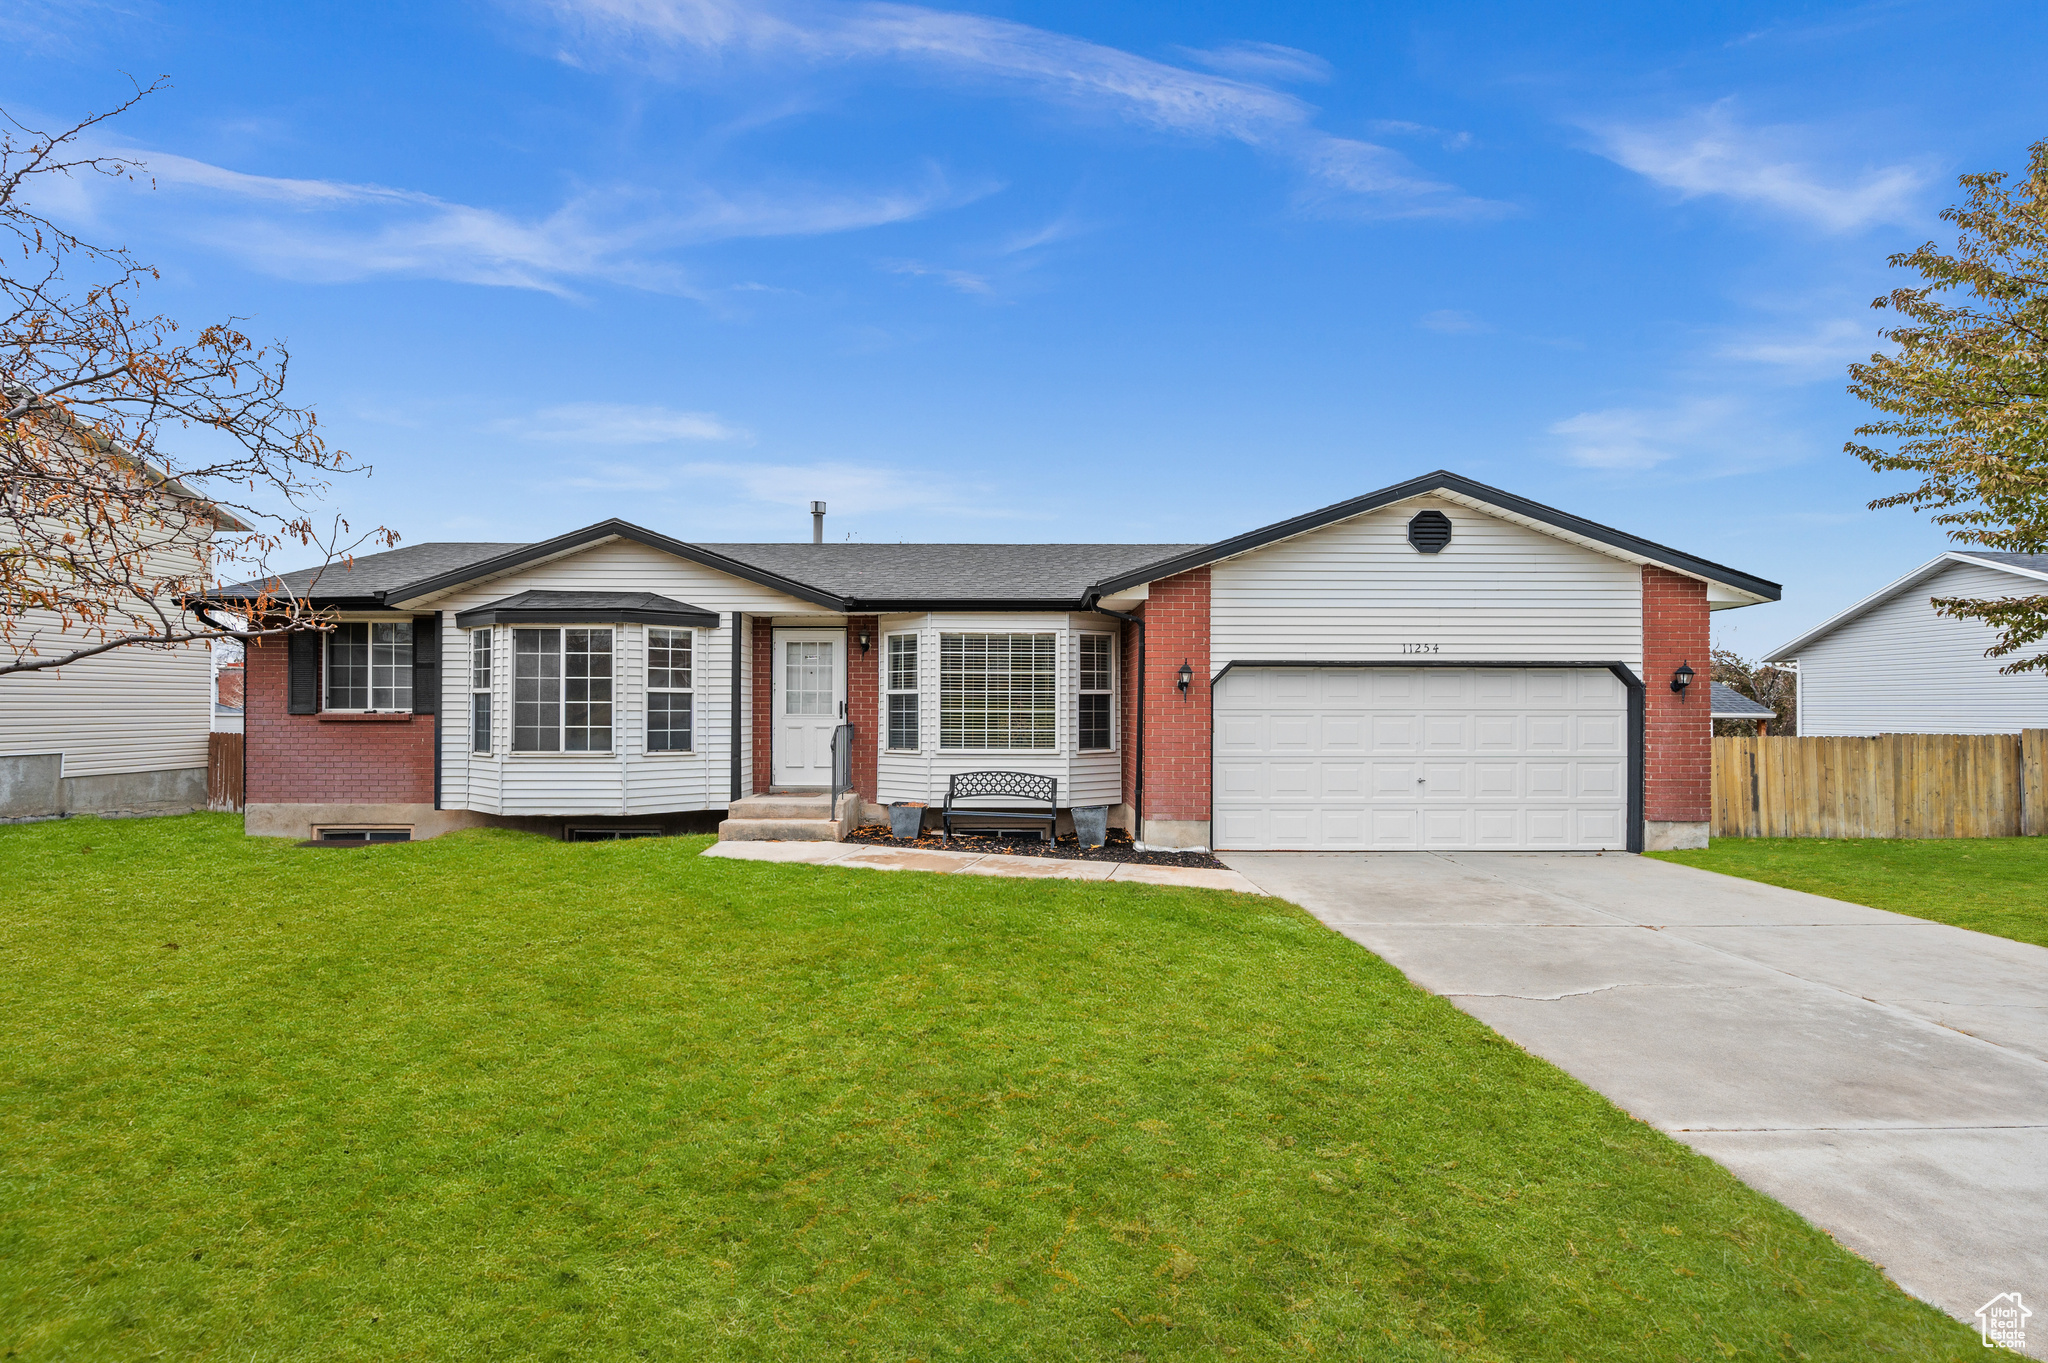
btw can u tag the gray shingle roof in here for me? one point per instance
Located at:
(866, 572)
(2037, 563)
(369, 574)
(565, 607)
(958, 572)
(1732, 704)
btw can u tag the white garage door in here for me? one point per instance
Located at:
(1389, 759)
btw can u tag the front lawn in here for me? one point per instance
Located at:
(1991, 885)
(497, 1097)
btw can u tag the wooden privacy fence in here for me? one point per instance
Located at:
(224, 772)
(1890, 786)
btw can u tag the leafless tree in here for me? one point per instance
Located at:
(109, 537)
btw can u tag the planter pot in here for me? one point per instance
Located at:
(1091, 825)
(906, 821)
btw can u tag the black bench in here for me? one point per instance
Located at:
(1010, 785)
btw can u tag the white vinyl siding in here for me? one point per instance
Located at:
(1357, 590)
(1899, 668)
(127, 710)
(624, 781)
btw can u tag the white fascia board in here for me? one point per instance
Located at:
(1789, 652)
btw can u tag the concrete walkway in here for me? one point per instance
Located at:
(1883, 1076)
(858, 856)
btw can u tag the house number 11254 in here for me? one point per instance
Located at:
(1420, 648)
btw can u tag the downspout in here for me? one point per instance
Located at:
(738, 642)
(1138, 789)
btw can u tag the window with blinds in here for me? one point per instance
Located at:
(903, 736)
(997, 691)
(1093, 729)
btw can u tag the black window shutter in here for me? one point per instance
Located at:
(426, 664)
(302, 669)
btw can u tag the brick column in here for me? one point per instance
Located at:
(764, 704)
(864, 699)
(1678, 731)
(1177, 726)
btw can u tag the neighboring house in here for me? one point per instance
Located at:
(121, 732)
(1728, 703)
(1890, 665)
(1440, 664)
(228, 677)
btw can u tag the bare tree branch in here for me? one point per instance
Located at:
(110, 524)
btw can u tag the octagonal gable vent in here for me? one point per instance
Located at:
(1429, 532)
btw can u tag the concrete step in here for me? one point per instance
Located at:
(782, 807)
(778, 830)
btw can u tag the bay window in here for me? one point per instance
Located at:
(1094, 729)
(561, 690)
(902, 662)
(369, 666)
(669, 690)
(997, 691)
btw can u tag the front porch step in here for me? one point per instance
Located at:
(782, 807)
(778, 830)
(789, 818)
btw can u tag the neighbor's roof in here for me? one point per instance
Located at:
(2029, 572)
(1732, 704)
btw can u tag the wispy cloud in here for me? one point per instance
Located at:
(1822, 349)
(332, 231)
(1644, 437)
(1453, 322)
(1049, 66)
(1710, 152)
(608, 423)
(1269, 62)
(963, 280)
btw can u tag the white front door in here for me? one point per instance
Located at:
(1389, 759)
(810, 702)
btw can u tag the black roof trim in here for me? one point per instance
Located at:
(604, 530)
(900, 606)
(579, 608)
(1441, 480)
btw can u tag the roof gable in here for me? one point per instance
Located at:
(1480, 497)
(2029, 572)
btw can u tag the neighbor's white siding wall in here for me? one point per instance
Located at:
(1085, 778)
(129, 709)
(1357, 591)
(1902, 669)
(629, 780)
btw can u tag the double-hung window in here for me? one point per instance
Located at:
(903, 692)
(369, 666)
(997, 691)
(669, 688)
(480, 690)
(561, 690)
(1094, 729)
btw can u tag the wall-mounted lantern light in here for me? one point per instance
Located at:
(1184, 679)
(1682, 678)
(863, 642)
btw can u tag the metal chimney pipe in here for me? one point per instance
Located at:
(817, 522)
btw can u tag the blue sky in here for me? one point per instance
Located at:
(1062, 271)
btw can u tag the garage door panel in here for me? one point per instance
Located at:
(1404, 758)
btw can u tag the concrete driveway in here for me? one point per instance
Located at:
(1884, 1076)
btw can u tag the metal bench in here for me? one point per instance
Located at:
(1010, 785)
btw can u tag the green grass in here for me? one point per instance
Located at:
(497, 1097)
(1986, 884)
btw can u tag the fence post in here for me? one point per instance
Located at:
(2034, 782)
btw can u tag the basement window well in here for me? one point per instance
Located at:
(362, 835)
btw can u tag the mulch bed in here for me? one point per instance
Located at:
(1118, 848)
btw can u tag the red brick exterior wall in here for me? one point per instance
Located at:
(864, 700)
(764, 702)
(303, 759)
(1678, 753)
(1177, 727)
(1127, 710)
